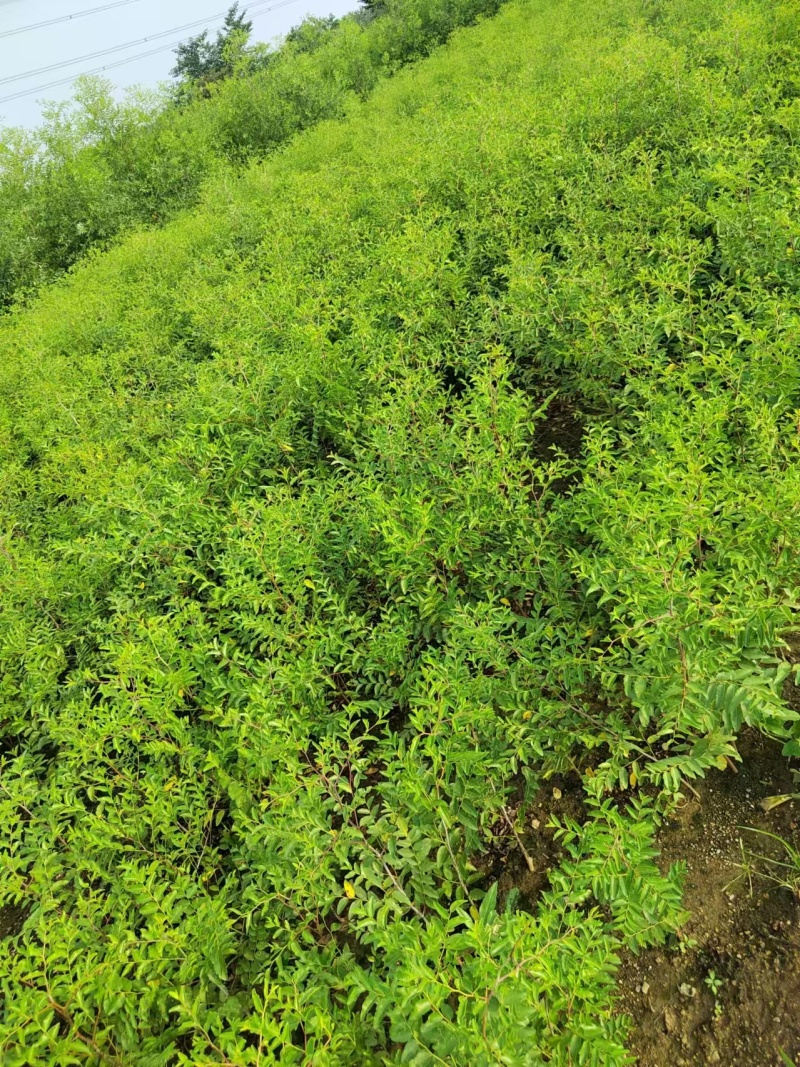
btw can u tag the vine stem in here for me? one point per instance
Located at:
(523, 850)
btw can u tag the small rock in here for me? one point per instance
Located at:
(686, 990)
(713, 1054)
(645, 988)
(670, 1021)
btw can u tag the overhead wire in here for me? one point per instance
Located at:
(66, 18)
(255, 9)
(86, 73)
(89, 55)
(109, 51)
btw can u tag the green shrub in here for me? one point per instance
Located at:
(98, 167)
(446, 456)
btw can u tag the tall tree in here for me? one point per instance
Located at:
(201, 60)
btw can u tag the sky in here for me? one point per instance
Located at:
(127, 22)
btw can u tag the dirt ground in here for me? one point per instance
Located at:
(743, 928)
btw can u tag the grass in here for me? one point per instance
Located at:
(783, 872)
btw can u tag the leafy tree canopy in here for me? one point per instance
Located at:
(202, 60)
(311, 33)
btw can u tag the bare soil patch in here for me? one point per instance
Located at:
(743, 928)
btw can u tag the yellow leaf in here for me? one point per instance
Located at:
(504, 600)
(349, 890)
(556, 793)
(721, 762)
(308, 583)
(634, 779)
(527, 715)
(768, 803)
(474, 913)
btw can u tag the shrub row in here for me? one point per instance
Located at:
(98, 167)
(447, 457)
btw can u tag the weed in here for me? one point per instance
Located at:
(715, 984)
(770, 803)
(783, 872)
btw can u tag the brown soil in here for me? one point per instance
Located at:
(528, 872)
(12, 919)
(743, 927)
(563, 430)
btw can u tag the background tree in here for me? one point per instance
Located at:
(312, 33)
(201, 60)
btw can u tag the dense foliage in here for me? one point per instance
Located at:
(447, 454)
(99, 167)
(201, 60)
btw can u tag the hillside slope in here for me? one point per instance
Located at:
(99, 167)
(446, 460)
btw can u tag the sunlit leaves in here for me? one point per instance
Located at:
(452, 450)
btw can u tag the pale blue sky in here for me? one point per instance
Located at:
(133, 21)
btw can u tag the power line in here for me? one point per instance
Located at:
(86, 73)
(254, 10)
(114, 48)
(108, 51)
(82, 59)
(66, 18)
